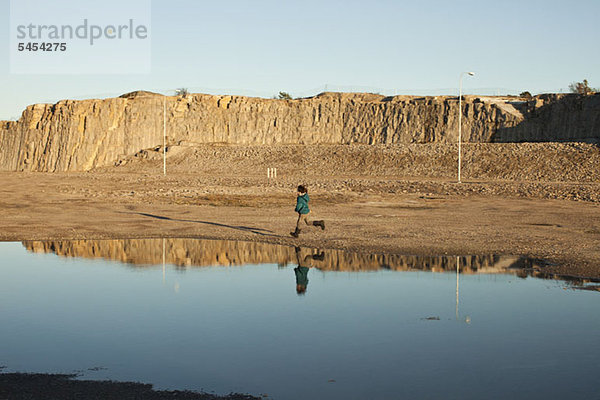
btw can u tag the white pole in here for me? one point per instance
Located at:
(165, 135)
(459, 123)
(460, 120)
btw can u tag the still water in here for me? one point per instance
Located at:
(224, 316)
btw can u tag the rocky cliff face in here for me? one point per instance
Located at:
(80, 135)
(554, 117)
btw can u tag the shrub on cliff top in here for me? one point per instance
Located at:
(582, 88)
(284, 96)
(526, 95)
(182, 92)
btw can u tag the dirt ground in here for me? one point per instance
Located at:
(216, 198)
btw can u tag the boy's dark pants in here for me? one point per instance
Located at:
(302, 218)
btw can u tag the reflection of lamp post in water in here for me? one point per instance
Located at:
(457, 269)
(467, 318)
(163, 259)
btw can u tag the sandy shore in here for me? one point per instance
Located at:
(373, 214)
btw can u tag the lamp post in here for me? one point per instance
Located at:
(165, 135)
(460, 119)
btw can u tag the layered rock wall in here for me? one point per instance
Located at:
(552, 117)
(81, 135)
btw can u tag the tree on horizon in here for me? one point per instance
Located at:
(582, 88)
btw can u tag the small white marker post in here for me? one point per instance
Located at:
(271, 173)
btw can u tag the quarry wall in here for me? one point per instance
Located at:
(81, 135)
(555, 117)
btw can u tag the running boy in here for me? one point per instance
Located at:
(303, 210)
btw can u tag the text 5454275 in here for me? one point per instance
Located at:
(43, 46)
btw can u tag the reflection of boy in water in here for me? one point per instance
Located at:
(302, 269)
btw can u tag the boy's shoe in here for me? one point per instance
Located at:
(320, 223)
(295, 233)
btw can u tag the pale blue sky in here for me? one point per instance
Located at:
(261, 47)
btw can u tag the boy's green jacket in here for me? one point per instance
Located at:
(302, 204)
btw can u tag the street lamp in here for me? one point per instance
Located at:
(460, 119)
(165, 135)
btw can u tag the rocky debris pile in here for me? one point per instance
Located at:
(537, 162)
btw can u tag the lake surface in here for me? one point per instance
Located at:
(224, 316)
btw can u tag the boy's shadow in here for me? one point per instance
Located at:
(258, 231)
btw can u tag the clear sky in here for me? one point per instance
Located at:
(261, 47)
